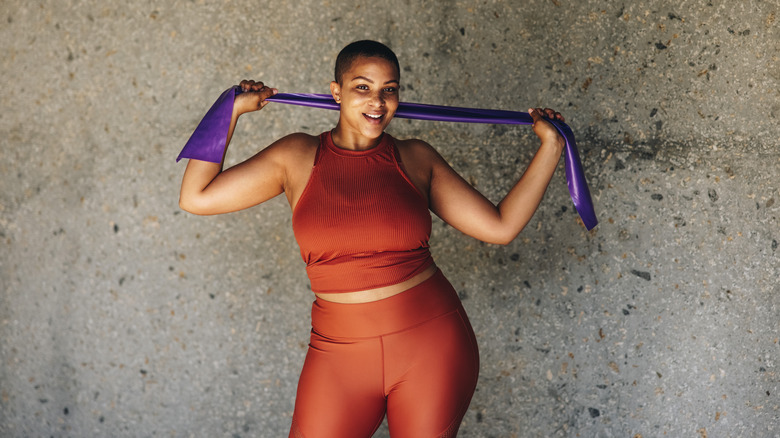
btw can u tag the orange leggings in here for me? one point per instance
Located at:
(413, 356)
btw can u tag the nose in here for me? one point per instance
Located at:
(377, 99)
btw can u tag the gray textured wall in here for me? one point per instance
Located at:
(122, 316)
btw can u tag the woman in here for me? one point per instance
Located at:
(389, 334)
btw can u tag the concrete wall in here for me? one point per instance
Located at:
(122, 316)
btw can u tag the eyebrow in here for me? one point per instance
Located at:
(369, 80)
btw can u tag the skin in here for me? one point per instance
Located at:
(371, 88)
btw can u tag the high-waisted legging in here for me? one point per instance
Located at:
(413, 356)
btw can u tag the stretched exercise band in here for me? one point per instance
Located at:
(207, 143)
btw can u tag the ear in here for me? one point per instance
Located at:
(335, 91)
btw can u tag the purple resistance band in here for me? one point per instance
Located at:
(207, 143)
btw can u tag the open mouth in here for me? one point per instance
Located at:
(374, 117)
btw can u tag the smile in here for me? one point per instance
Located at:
(374, 116)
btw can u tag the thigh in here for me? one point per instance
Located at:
(434, 374)
(340, 391)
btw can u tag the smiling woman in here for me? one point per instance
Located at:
(368, 94)
(389, 334)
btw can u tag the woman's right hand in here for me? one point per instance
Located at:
(253, 96)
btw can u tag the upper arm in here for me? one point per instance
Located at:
(251, 182)
(451, 197)
(462, 206)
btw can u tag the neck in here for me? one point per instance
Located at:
(352, 140)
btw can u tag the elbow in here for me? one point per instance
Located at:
(503, 241)
(494, 236)
(184, 205)
(504, 238)
(190, 206)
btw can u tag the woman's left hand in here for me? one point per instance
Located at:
(543, 128)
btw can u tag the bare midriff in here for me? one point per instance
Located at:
(380, 293)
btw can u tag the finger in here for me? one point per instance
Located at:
(552, 114)
(247, 84)
(265, 93)
(252, 85)
(535, 114)
(542, 113)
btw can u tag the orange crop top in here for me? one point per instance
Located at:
(360, 222)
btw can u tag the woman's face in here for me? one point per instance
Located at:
(368, 94)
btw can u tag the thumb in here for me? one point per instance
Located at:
(265, 93)
(535, 115)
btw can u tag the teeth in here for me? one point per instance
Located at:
(374, 116)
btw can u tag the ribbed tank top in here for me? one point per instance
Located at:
(360, 222)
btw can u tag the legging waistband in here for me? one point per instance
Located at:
(429, 299)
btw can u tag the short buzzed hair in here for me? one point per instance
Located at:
(363, 48)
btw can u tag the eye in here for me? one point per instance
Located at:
(391, 90)
(362, 87)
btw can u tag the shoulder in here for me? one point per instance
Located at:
(415, 149)
(421, 162)
(418, 153)
(414, 144)
(293, 148)
(297, 142)
(290, 159)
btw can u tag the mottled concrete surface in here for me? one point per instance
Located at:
(122, 316)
